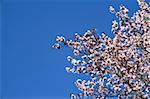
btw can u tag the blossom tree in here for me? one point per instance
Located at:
(118, 66)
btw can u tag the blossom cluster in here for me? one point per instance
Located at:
(118, 66)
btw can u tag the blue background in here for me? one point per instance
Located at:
(31, 69)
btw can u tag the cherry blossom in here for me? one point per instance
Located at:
(118, 66)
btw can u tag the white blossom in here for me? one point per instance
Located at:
(120, 61)
(111, 9)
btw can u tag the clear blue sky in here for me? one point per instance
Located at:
(31, 69)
